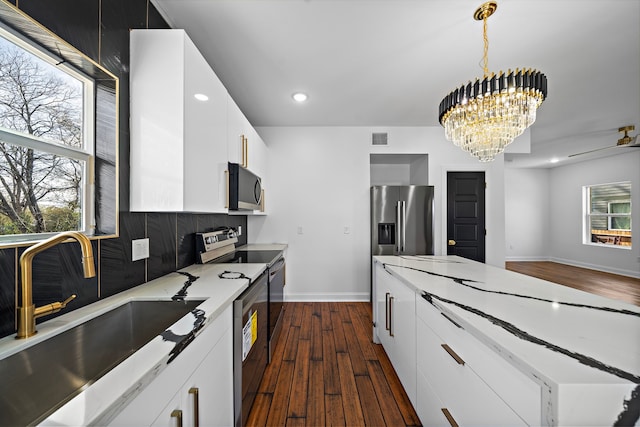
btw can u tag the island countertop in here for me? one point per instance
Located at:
(583, 347)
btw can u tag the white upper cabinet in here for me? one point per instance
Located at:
(178, 126)
(237, 130)
(245, 146)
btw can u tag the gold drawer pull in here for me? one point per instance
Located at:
(449, 417)
(453, 354)
(177, 414)
(196, 406)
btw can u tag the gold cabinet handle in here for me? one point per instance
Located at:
(387, 324)
(177, 414)
(391, 316)
(452, 242)
(226, 178)
(453, 354)
(449, 417)
(245, 151)
(196, 406)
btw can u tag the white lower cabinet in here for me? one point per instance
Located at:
(203, 372)
(428, 405)
(396, 327)
(462, 393)
(203, 400)
(450, 376)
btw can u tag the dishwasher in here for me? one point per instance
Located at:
(250, 346)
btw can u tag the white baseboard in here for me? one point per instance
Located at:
(527, 258)
(325, 297)
(606, 269)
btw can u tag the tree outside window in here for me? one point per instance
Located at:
(45, 148)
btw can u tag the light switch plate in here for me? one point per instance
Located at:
(139, 249)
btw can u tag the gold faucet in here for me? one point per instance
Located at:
(28, 312)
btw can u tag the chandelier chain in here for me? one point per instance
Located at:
(485, 56)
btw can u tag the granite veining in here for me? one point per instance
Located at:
(584, 350)
(101, 401)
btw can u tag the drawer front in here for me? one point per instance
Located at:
(428, 405)
(469, 400)
(519, 391)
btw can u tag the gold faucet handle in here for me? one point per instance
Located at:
(54, 307)
(64, 303)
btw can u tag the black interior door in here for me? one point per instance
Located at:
(465, 215)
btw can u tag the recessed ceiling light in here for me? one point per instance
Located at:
(554, 160)
(201, 97)
(299, 96)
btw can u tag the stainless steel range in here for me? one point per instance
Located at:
(256, 312)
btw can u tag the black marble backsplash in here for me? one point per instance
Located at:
(100, 29)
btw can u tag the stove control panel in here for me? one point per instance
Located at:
(214, 244)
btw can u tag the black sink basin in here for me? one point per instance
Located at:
(40, 379)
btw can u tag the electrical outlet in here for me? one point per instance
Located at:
(239, 230)
(139, 249)
(299, 230)
(347, 230)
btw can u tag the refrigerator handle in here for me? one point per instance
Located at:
(403, 230)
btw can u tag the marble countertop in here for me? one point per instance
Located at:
(565, 338)
(196, 282)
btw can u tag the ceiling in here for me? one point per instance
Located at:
(390, 62)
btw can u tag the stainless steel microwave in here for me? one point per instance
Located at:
(245, 188)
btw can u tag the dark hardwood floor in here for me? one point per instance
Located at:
(608, 285)
(327, 371)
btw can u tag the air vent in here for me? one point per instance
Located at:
(379, 138)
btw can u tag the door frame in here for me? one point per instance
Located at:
(491, 214)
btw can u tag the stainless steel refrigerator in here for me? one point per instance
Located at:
(402, 220)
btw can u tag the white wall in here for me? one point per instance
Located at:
(565, 184)
(526, 193)
(318, 184)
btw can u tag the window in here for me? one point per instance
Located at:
(608, 214)
(46, 143)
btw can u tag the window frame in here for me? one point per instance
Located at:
(613, 215)
(107, 120)
(86, 154)
(588, 215)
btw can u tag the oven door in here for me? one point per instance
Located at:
(276, 301)
(250, 353)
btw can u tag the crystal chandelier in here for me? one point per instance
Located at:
(485, 116)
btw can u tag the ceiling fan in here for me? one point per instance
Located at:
(625, 141)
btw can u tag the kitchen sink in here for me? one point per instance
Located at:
(40, 379)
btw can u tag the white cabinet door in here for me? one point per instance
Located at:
(213, 383)
(172, 415)
(396, 326)
(237, 129)
(178, 142)
(206, 364)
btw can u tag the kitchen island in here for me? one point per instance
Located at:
(539, 353)
(172, 355)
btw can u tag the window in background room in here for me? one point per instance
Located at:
(46, 143)
(608, 214)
